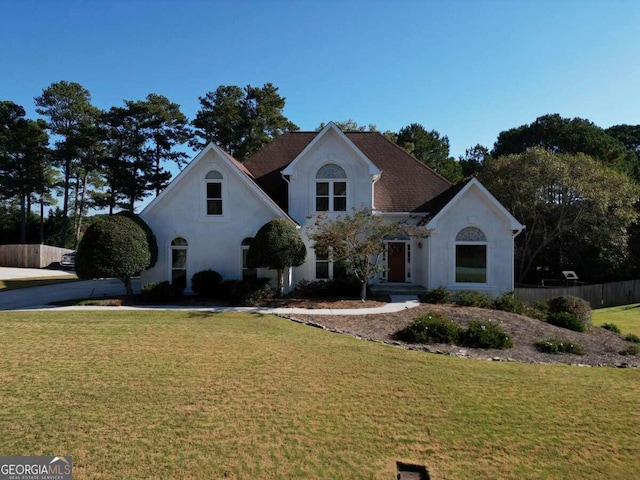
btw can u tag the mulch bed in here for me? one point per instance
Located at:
(602, 346)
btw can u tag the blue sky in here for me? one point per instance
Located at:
(466, 68)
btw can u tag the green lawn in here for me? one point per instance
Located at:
(626, 317)
(246, 396)
(13, 284)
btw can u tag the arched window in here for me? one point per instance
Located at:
(248, 274)
(471, 256)
(331, 189)
(179, 262)
(214, 192)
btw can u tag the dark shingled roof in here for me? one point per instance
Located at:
(405, 185)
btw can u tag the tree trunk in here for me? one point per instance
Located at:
(23, 218)
(127, 284)
(80, 214)
(280, 292)
(42, 218)
(65, 203)
(363, 291)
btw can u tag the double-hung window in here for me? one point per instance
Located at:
(331, 189)
(214, 193)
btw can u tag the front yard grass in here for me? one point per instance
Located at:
(626, 317)
(249, 396)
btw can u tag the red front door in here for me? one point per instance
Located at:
(396, 262)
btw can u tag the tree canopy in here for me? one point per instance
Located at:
(241, 120)
(277, 246)
(356, 240)
(114, 246)
(564, 135)
(576, 211)
(430, 148)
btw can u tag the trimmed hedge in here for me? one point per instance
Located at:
(243, 293)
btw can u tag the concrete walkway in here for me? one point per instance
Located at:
(397, 304)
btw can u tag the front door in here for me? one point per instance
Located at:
(396, 262)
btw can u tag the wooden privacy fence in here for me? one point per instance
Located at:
(30, 256)
(598, 296)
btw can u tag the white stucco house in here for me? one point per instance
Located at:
(207, 216)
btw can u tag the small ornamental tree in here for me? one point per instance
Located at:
(114, 246)
(277, 246)
(357, 240)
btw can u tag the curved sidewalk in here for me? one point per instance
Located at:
(397, 304)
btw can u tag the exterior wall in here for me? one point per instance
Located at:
(472, 209)
(213, 242)
(331, 148)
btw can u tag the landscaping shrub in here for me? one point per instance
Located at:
(160, 292)
(558, 345)
(481, 334)
(437, 295)
(630, 350)
(430, 328)
(206, 283)
(566, 320)
(507, 302)
(632, 337)
(574, 305)
(244, 293)
(612, 327)
(338, 287)
(472, 298)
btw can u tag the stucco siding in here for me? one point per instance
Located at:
(213, 241)
(472, 209)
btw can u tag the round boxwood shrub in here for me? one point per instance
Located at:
(473, 298)
(437, 295)
(573, 305)
(481, 334)
(507, 302)
(430, 328)
(206, 283)
(566, 320)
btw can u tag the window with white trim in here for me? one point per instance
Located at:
(214, 193)
(331, 189)
(179, 262)
(323, 266)
(471, 256)
(248, 274)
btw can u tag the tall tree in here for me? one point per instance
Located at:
(430, 148)
(473, 160)
(68, 108)
(166, 127)
(23, 154)
(576, 211)
(241, 121)
(629, 136)
(564, 135)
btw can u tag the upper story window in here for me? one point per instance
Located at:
(471, 256)
(214, 193)
(331, 189)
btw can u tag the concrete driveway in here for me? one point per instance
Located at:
(40, 297)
